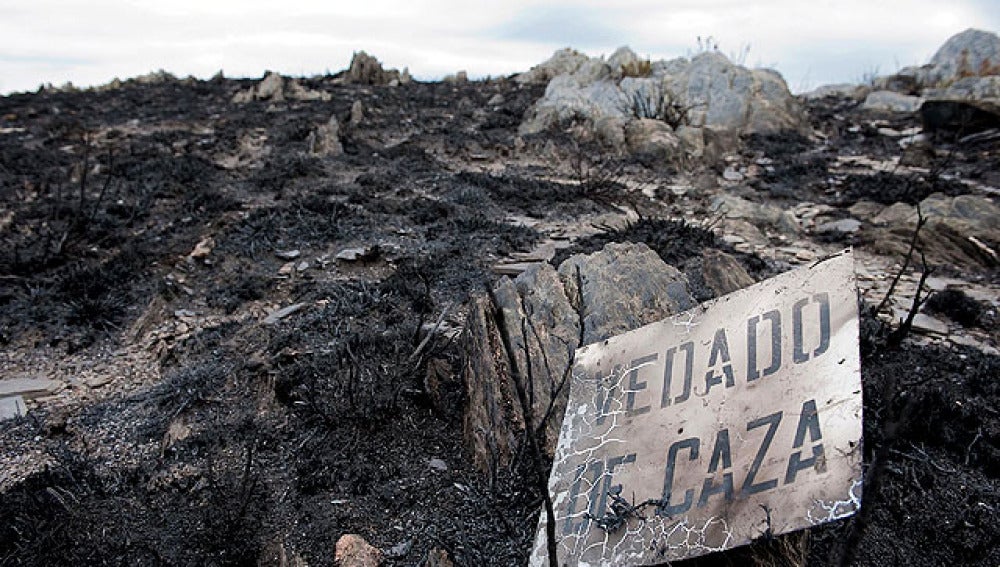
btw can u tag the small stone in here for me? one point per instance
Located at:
(288, 254)
(722, 273)
(302, 266)
(357, 113)
(805, 255)
(401, 548)
(12, 407)
(496, 100)
(438, 558)
(97, 381)
(181, 313)
(286, 269)
(202, 249)
(940, 284)
(911, 140)
(280, 314)
(895, 213)
(731, 174)
(353, 551)
(29, 387)
(177, 431)
(437, 464)
(865, 209)
(926, 324)
(844, 226)
(358, 254)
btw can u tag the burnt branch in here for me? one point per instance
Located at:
(921, 221)
(541, 470)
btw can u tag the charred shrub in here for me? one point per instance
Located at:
(237, 505)
(674, 240)
(408, 157)
(360, 380)
(182, 390)
(368, 332)
(204, 344)
(784, 145)
(502, 119)
(412, 282)
(293, 130)
(81, 303)
(425, 211)
(487, 234)
(325, 462)
(792, 177)
(962, 309)
(161, 175)
(247, 287)
(49, 519)
(888, 188)
(941, 398)
(313, 219)
(377, 182)
(281, 170)
(534, 196)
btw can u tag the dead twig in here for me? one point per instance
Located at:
(896, 337)
(431, 333)
(968, 450)
(541, 470)
(921, 221)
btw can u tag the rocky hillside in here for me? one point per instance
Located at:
(242, 319)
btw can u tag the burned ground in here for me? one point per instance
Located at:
(240, 436)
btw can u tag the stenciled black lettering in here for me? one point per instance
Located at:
(799, 355)
(668, 373)
(774, 318)
(634, 385)
(720, 455)
(749, 487)
(609, 471)
(665, 508)
(573, 525)
(824, 322)
(808, 423)
(720, 352)
(605, 394)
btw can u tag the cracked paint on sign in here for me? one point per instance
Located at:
(706, 430)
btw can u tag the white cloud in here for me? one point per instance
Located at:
(826, 40)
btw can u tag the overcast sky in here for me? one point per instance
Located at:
(811, 42)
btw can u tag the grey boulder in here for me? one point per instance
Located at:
(522, 336)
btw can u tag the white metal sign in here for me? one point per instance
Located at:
(702, 432)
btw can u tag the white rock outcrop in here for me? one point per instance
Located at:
(892, 101)
(971, 52)
(708, 91)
